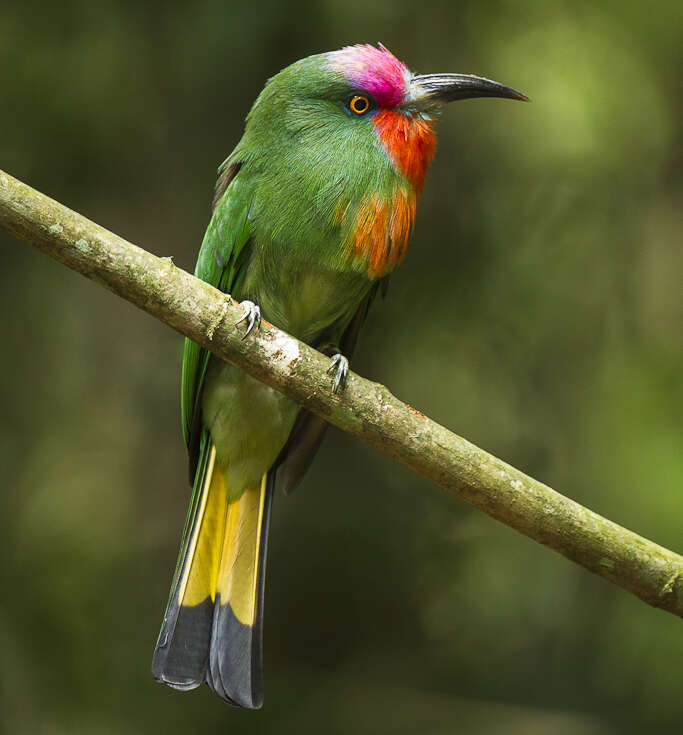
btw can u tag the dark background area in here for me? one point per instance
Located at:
(538, 314)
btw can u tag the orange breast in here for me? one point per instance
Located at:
(383, 229)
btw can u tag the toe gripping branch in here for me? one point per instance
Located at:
(340, 367)
(252, 316)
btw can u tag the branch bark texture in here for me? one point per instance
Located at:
(365, 409)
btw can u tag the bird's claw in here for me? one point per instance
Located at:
(340, 367)
(252, 316)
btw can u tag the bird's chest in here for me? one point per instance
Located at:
(302, 295)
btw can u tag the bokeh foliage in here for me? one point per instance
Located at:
(538, 314)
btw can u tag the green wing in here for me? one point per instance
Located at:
(221, 262)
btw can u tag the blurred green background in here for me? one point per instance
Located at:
(538, 314)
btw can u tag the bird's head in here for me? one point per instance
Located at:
(364, 91)
(342, 141)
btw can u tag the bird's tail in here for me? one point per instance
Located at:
(213, 627)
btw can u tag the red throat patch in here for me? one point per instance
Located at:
(410, 143)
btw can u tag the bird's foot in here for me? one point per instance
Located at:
(252, 316)
(340, 367)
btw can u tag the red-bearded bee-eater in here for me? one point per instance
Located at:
(313, 209)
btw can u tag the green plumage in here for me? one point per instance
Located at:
(273, 240)
(313, 207)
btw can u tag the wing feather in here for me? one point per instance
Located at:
(224, 253)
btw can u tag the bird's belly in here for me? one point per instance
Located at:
(249, 423)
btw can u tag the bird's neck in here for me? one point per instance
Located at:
(384, 221)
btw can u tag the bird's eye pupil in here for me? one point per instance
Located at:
(359, 104)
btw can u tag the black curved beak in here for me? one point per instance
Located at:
(430, 90)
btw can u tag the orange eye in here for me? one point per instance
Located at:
(359, 104)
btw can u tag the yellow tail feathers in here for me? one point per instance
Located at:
(213, 627)
(224, 549)
(237, 581)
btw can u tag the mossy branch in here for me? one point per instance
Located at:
(365, 409)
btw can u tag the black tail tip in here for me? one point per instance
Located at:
(235, 660)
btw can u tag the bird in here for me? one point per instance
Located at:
(312, 211)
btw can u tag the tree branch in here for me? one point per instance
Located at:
(365, 409)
